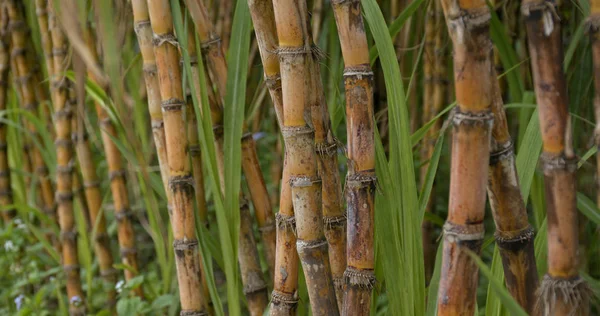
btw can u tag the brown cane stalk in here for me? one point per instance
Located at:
(429, 65)
(285, 279)
(24, 73)
(116, 174)
(514, 235)
(297, 69)
(562, 291)
(468, 25)
(141, 20)
(213, 54)
(5, 187)
(593, 28)
(180, 175)
(360, 183)
(255, 288)
(64, 154)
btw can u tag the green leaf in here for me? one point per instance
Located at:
(498, 286)
(398, 234)
(588, 208)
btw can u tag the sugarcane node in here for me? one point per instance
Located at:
(159, 39)
(41, 11)
(303, 181)
(3, 83)
(294, 131)
(181, 183)
(361, 278)
(469, 235)
(78, 137)
(3, 146)
(123, 214)
(505, 151)
(112, 175)
(68, 236)
(273, 82)
(292, 51)
(339, 283)
(304, 245)
(41, 170)
(68, 268)
(64, 113)
(4, 174)
(5, 193)
(255, 286)
(194, 150)
(17, 51)
(193, 61)
(485, 118)
(172, 104)
(286, 222)
(27, 146)
(243, 204)
(17, 25)
(63, 142)
(59, 52)
(464, 23)
(193, 313)
(139, 25)
(436, 79)
(279, 298)
(361, 179)
(326, 149)
(49, 210)
(331, 222)
(185, 244)
(31, 106)
(535, 9)
(218, 130)
(552, 162)
(150, 69)
(343, 2)
(214, 41)
(109, 272)
(125, 251)
(59, 83)
(514, 241)
(64, 170)
(268, 227)
(157, 124)
(24, 79)
(358, 71)
(101, 237)
(574, 291)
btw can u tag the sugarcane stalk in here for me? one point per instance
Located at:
(562, 291)
(180, 175)
(284, 298)
(213, 53)
(24, 73)
(210, 43)
(93, 196)
(5, 183)
(116, 174)
(593, 26)
(297, 80)
(361, 179)
(141, 20)
(514, 235)
(64, 154)
(260, 199)
(468, 25)
(326, 146)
